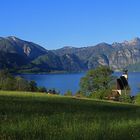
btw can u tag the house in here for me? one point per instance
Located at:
(122, 85)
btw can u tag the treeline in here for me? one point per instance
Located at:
(17, 83)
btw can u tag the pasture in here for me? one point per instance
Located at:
(36, 116)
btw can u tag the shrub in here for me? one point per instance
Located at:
(68, 93)
(101, 94)
(79, 94)
(42, 89)
(125, 96)
(32, 86)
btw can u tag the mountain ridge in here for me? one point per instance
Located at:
(25, 56)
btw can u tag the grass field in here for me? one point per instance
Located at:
(25, 116)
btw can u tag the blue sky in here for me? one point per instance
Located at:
(57, 23)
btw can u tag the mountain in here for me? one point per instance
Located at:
(127, 53)
(14, 52)
(17, 46)
(91, 56)
(116, 55)
(51, 62)
(24, 56)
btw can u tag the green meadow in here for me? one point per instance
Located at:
(36, 116)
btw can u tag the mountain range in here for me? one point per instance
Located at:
(23, 56)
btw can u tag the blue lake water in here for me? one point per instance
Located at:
(70, 81)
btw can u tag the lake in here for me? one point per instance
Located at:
(70, 81)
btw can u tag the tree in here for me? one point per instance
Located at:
(7, 81)
(4, 74)
(21, 84)
(68, 93)
(96, 80)
(79, 94)
(32, 86)
(42, 89)
(10, 82)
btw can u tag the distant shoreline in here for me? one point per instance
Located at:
(62, 72)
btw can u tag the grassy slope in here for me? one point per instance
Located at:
(38, 116)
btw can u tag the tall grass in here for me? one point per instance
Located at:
(25, 116)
